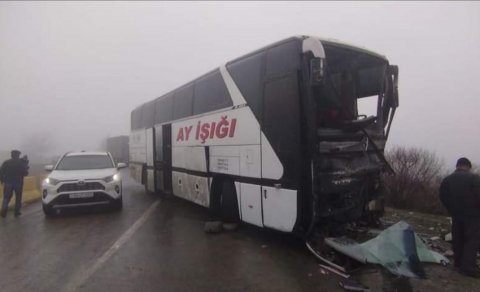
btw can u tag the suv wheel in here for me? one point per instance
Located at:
(48, 211)
(117, 204)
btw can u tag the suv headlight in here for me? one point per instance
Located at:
(52, 181)
(115, 177)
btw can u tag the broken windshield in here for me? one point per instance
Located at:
(356, 90)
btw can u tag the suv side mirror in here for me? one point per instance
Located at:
(121, 165)
(48, 167)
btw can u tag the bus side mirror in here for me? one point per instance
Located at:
(317, 71)
(394, 71)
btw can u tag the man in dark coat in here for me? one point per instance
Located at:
(460, 194)
(12, 173)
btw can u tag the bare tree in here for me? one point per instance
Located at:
(417, 179)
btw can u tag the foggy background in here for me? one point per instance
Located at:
(71, 73)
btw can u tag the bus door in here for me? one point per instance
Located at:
(163, 157)
(148, 170)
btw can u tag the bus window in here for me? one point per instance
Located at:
(136, 118)
(369, 81)
(163, 109)
(281, 120)
(367, 106)
(182, 102)
(282, 59)
(210, 94)
(158, 143)
(248, 75)
(148, 114)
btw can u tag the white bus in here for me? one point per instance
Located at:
(275, 138)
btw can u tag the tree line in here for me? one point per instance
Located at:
(415, 185)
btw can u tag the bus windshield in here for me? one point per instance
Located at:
(358, 87)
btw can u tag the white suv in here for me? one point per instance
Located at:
(82, 179)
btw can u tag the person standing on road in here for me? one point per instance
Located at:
(12, 173)
(460, 194)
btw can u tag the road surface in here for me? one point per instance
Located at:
(153, 244)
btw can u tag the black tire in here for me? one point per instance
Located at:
(229, 203)
(48, 211)
(148, 192)
(145, 180)
(117, 205)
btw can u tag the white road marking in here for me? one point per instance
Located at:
(84, 275)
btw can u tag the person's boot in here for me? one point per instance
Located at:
(3, 213)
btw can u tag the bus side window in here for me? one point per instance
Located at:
(158, 143)
(210, 93)
(248, 74)
(282, 59)
(136, 118)
(163, 109)
(281, 121)
(148, 114)
(182, 102)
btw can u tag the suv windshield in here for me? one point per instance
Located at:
(85, 162)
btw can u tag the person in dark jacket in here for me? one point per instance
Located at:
(12, 173)
(460, 194)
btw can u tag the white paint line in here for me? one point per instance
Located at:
(84, 275)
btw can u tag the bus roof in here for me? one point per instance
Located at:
(326, 41)
(360, 49)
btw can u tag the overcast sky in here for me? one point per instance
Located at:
(70, 73)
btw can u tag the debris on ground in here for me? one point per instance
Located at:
(335, 271)
(352, 285)
(448, 237)
(229, 226)
(323, 271)
(213, 227)
(219, 226)
(397, 248)
(448, 253)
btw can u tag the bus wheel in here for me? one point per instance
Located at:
(145, 180)
(147, 191)
(229, 203)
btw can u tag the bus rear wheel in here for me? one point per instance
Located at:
(229, 203)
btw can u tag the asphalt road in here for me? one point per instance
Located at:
(153, 244)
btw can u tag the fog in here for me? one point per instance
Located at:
(71, 73)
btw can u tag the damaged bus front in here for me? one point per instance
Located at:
(347, 153)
